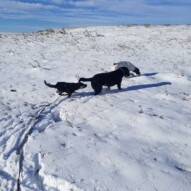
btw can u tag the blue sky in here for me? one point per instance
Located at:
(34, 15)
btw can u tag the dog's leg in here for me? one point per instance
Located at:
(119, 86)
(97, 91)
(97, 87)
(69, 92)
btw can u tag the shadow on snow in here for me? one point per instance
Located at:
(145, 86)
(131, 88)
(150, 74)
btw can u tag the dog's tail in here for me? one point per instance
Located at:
(85, 79)
(49, 85)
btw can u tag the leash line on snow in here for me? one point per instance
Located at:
(30, 128)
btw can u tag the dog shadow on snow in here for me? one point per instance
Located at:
(145, 86)
(131, 88)
(150, 74)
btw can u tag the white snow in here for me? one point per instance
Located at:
(138, 138)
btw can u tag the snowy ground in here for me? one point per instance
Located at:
(135, 139)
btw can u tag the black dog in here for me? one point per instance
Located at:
(107, 79)
(69, 88)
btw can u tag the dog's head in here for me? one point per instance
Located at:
(137, 71)
(125, 71)
(81, 85)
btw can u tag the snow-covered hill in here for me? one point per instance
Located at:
(135, 139)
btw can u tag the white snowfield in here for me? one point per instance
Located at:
(138, 138)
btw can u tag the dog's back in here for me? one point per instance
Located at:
(127, 64)
(109, 78)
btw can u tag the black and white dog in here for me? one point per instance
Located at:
(127, 64)
(107, 79)
(69, 88)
